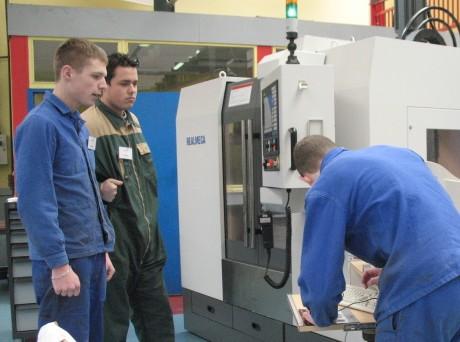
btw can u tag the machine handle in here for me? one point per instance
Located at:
(211, 309)
(256, 326)
(293, 138)
(245, 182)
(250, 188)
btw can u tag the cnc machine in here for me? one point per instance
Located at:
(234, 149)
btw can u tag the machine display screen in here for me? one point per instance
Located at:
(270, 107)
(270, 118)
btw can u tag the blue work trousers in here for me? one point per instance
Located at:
(81, 316)
(433, 318)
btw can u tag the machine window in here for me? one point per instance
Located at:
(442, 148)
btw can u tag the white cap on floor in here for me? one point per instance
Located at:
(51, 332)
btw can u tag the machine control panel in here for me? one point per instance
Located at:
(270, 122)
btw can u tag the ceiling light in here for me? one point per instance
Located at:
(178, 66)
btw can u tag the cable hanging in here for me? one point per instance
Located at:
(430, 35)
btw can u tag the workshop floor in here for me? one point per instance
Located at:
(176, 304)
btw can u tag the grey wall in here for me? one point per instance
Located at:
(26, 20)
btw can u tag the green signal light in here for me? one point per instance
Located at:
(291, 12)
(291, 9)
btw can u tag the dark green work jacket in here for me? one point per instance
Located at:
(133, 211)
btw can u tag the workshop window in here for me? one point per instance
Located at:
(167, 67)
(43, 55)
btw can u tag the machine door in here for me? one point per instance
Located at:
(242, 162)
(242, 170)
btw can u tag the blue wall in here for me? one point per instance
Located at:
(157, 114)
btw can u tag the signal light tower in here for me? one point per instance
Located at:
(291, 30)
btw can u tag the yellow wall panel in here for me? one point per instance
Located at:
(3, 40)
(5, 114)
(334, 11)
(343, 11)
(5, 170)
(244, 8)
(117, 4)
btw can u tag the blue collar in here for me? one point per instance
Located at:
(331, 155)
(64, 109)
(61, 106)
(57, 102)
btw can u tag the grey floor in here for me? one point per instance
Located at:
(5, 321)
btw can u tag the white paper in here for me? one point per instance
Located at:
(240, 95)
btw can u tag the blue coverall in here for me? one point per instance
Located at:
(61, 208)
(383, 205)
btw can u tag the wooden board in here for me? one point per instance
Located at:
(356, 320)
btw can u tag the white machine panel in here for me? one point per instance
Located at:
(306, 103)
(274, 60)
(200, 196)
(378, 79)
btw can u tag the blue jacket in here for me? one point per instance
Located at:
(383, 205)
(58, 197)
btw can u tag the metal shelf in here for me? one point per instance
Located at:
(24, 309)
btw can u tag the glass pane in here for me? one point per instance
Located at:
(44, 54)
(108, 47)
(38, 97)
(233, 182)
(171, 67)
(442, 148)
(43, 59)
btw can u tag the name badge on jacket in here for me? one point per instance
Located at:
(125, 153)
(92, 143)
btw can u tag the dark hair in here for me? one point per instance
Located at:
(76, 53)
(119, 60)
(310, 151)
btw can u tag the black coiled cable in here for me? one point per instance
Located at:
(287, 265)
(426, 11)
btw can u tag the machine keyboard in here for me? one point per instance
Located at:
(359, 298)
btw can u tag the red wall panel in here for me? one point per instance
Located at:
(19, 68)
(263, 51)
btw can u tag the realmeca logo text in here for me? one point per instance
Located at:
(196, 140)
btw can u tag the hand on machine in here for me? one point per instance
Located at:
(306, 316)
(308, 319)
(371, 277)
